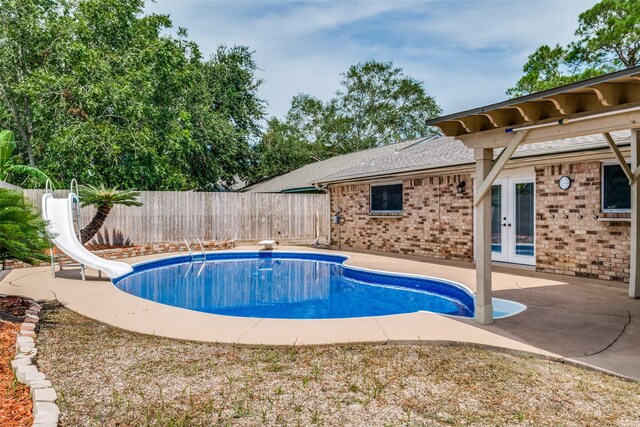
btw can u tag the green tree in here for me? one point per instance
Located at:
(609, 35)
(103, 199)
(549, 67)
(99, 91)
(281, 150)
(608, 40)
(377, 104)
(22, 231)
(27, 34)
(9, 163)
(226, 110)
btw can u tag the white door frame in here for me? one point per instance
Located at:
(507, 179)
(504, 210)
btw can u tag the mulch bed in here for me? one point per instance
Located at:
(14, 306)
(15, 402)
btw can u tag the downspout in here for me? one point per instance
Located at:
(326, 191)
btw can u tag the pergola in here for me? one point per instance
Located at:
(595, 106)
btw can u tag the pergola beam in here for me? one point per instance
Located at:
(623, 117)
(504, 117)
(623, 163)
(499, 164)
(608, 94)
(565, 103)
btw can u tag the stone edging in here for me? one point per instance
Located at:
(45, 410)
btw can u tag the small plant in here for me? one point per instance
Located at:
(104, 199)
(316, 370)
(315, 418)
(22, 231)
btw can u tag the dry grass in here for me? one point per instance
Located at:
(106, 376)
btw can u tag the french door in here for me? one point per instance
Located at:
(513, 220)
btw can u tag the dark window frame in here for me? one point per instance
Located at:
(386, 211)
(603, 188)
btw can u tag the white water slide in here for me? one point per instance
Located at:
(59, 215)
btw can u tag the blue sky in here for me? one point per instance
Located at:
(467, 53)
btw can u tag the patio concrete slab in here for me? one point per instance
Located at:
(586, 321)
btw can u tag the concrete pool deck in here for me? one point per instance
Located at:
(578, 320)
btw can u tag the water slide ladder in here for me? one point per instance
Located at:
(77, 224)
(64, 227)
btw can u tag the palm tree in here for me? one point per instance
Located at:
(22, 231)
(103, 199)
(8, 164)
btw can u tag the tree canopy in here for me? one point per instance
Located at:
(608, 39)
(377, 104)
(99, 91)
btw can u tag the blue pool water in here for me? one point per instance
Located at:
(289, 286)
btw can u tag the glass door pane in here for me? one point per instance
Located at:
(496, 219)
(524, 219)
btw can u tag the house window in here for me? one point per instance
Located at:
(616, 191)
(386, 197)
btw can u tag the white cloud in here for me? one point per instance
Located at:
(467, 52)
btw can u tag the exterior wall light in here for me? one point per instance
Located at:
(460, 187)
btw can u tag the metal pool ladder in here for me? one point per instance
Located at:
(203, 253)
(202, 260)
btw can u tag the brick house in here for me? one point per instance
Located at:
(560, 206)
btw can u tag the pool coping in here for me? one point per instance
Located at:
(102, 301)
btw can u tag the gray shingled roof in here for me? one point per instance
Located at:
(415, 155)
(447, 151)
(306, 176)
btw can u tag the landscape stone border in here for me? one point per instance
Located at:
(45, 410)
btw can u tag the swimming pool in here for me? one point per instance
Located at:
(290, 285)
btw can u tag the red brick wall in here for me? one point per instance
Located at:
(437, 221)
(578, 247)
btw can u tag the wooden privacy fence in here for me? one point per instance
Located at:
(10, 186)
(168, 216)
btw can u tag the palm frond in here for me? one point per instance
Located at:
(22, 232)
(7, 145)
(104, 196)
(28, 170)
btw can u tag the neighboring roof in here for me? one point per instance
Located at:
(598, 94)
(442, 152)
(304, 178)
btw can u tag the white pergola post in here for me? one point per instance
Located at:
(634, 276)
(484, 308)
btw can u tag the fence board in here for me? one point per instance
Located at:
(168, 216)
(10, 186)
